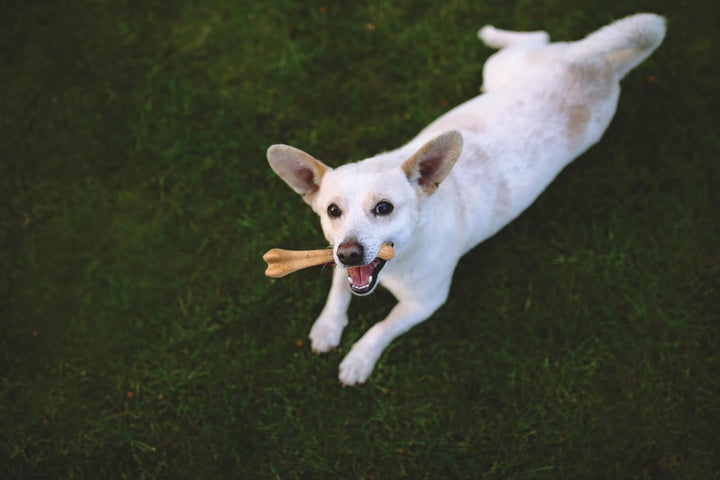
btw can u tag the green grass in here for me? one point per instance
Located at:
(140, 339)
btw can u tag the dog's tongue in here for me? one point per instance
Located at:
(360, 276)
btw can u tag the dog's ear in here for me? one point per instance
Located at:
(431, 164)
(298, 169)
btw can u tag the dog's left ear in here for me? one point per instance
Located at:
(432, 163)
(301, 171)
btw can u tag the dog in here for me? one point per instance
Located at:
(463, 177)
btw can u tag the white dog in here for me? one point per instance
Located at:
(464, 177)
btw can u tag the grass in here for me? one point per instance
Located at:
(140, 338)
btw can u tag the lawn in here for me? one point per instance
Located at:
(140, 339)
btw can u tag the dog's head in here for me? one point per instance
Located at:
(366, 204)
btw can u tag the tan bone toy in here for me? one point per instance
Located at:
(284, 262)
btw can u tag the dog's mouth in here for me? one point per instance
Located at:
(364, 279)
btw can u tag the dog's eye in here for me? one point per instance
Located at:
(334, 211)
(383, 208)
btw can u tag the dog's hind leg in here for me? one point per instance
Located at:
(511, 61)
(498, 38)
(623, 44)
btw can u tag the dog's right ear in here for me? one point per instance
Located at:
(300, 171)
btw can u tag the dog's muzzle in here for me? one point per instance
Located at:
(362, 278)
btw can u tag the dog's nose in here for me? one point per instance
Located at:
(350, 253)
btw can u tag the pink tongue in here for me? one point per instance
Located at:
(360, 276)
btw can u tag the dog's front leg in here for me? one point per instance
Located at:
(359, 363)
(325, 333)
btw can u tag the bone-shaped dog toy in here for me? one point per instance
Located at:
(284, 262)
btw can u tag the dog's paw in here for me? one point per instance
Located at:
(325, 336)
(489, 36)
(485, 32)
(356, 368)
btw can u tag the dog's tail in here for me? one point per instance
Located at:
(624, 43)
